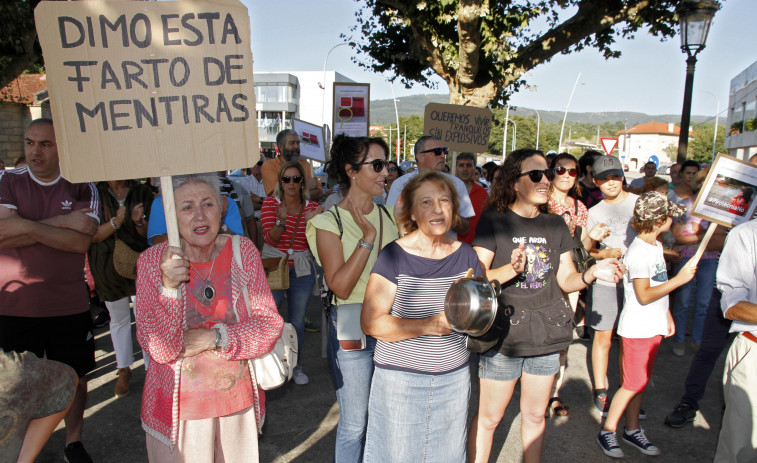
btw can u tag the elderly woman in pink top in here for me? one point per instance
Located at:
(205, 310)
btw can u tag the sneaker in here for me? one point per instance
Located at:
(299, 377)
(75, 453)
(682, 414)
(678, 349)
(602, 403)
(642, 414)
(102, 319)
(640, 441)
(609, 443)
(310, 327)
(122, 384)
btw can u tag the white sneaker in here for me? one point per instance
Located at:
(299, 377)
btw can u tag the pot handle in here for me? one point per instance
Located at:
(496, 287)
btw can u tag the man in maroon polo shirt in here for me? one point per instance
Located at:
(46, 227)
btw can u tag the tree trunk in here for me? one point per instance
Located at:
(479, 97)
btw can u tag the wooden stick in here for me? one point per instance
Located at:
(169, 208)
(700, 250)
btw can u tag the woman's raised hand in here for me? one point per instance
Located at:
(518, 258)
(138, 213)
(281, 211)
(609, 270)
(369, 231)
(174, 268)
(313, 212)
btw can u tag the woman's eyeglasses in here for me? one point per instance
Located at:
(378, 164)
(287, 179)
(562, 170)
(436, 151)
(391, 169)
(535, 175)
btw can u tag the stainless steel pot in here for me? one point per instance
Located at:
(471, 305)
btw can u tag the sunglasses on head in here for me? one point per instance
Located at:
(535, 175)
(436, 151)
(562, 170)
(378, 164)
(287, 179)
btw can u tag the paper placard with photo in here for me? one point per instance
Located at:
(312, 140)
(728, 194)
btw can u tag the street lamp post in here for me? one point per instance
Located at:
(538, 125)
(696, 17)
(323, 84)
(515, 127)
(565, 117)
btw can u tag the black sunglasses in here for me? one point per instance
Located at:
(391, 169)
(561, 171)
(378, 164)
(287, 179)
(436, 151)
(535, 175)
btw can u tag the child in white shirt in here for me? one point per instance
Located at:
(644, 321)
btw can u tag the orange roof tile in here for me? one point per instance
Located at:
(662, 128)
(23, 88)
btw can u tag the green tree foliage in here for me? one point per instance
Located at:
(483, 48)
(411, 128)
(700, 147)
(19, 49)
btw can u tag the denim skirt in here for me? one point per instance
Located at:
(418, 417)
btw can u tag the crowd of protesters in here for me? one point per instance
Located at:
(386, 246)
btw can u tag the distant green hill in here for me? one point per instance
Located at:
(382, 112)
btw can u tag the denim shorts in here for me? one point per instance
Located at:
(500, 367)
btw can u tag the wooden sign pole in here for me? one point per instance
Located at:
(169, 208)
(703, 245)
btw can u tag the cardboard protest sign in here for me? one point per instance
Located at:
(145, 89)
(728, 194)
(351, 109)
(312, 143)
(460, 128)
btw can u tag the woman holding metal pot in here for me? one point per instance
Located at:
(541, 323)
(346, 241)
(421, 383)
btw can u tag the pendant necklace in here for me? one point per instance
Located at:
(208, 289)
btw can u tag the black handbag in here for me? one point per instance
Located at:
(581, 257)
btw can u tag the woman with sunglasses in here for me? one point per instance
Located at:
(284, 216)
(346, 241)
(564, 191)
(541, 321)
(393, 172)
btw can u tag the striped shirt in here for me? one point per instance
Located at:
(268, 220)
(422, 284)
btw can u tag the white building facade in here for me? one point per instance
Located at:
(741, 126)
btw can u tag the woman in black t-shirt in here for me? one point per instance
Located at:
(528, 252)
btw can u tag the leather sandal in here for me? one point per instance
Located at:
(558, 410)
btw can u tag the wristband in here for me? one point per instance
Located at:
(583, 278)
(113, 224)
(364, 244)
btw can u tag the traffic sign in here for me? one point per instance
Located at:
(609, 144)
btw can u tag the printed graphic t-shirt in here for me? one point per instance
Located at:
(643, 260)
(617, 217)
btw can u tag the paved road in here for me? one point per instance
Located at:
(301, 420)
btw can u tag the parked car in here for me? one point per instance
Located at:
(664, 170)
(405, 165)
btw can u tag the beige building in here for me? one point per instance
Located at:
(21, 101)
(640, 142)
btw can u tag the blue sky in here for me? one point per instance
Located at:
(648, 77)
